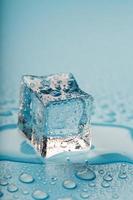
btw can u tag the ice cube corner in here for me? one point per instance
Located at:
(55, 113)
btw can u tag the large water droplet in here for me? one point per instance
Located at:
(12, 188)
(105, 184)
(84, 195)
(69, 184)
(26, 178)
(3, 182)
(108, 177)
(40, 195)
(86, 174)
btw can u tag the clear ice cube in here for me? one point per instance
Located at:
(55, 113)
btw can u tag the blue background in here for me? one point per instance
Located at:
(92, 39)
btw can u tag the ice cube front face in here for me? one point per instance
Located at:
(55, 113)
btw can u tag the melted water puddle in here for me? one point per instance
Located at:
(109, 144)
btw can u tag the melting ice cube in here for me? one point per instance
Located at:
(55, 113)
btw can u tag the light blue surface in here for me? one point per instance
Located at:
(93, 40)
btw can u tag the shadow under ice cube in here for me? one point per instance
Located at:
(55, 113)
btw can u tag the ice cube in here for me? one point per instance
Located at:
(55, 113)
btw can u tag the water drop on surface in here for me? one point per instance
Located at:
(25, 192)
(86, 174)
(67, 159)
(105, 184)
(12, 188)
(92, 184)
(26, 178)
(84, 195)
(115, 196)
(3, 182)
(101, 171)
(39, 195)
(53, 178)
(108, 177)
(122, 175)
(16, 196)
(69, 184)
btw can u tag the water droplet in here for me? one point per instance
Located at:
(122, 175)
(25, 192)
(67, 159)
(86, 174)
(16, 196)
(85, 189)
(12, 188)
(101, 171)
(39, 195)
(53, 178)
(1, 194)
(115, 196)
(91, 184)
(84, 195)
(53, 182)
(69, 184)
(105, 184)
(26, 178)
(3, 182)
(108, 177)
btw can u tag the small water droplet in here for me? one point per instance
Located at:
(15, 196)
(105, 184)
(40, 195)
(3, 182)
(101, 171)
(85, 189)
(84, 195)
(25, 192)
(54, 178)
(91, 184)
(26, 178)
(12, 188)
(115, 196)
(67, 159)
(86, 174)
(122, 175)
(108, 177)
(53, 182)
(69, 184)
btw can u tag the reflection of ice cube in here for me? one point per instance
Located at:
(55, 113)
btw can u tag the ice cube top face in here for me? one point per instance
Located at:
(54, 105)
